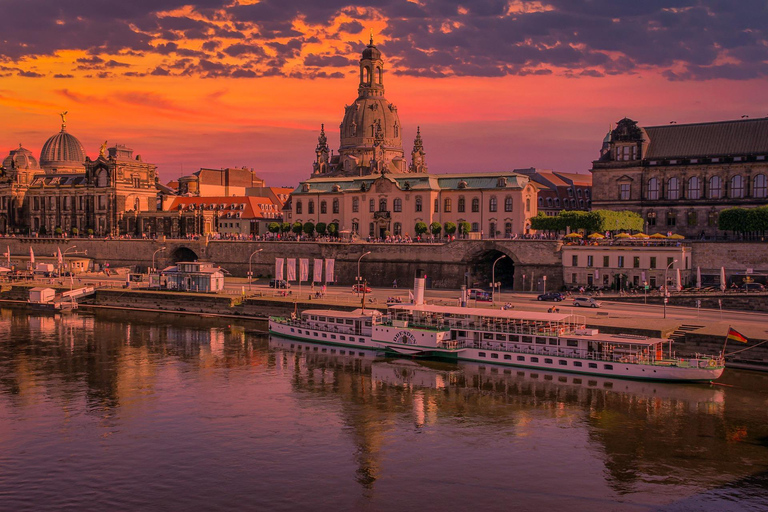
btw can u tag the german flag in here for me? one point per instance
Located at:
(734, 335)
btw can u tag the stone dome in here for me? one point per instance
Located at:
(20, 158)
(62, 150)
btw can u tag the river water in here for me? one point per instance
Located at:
(140, 412)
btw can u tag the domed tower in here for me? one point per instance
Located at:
(63, 152)
(371, 135)
(20, 159)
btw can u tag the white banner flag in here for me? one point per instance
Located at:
(303, 270)
(642, 276)
(318, 271)
(291, 271)
(329, 263)
(279, 262)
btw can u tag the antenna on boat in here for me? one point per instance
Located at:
(365, 285)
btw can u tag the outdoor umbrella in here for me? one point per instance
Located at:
(640, 235)
(596, 236)
(658, 236)
(678, 281)
(676, 237)
(573, 235)
(722, 279)
(623, 235)
(698, 277)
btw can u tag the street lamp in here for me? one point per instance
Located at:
(153, 257)
(64, 254)
(250, 269)
(666, 286)
(359, 280)
(493, 277)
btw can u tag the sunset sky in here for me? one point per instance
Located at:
(494, 85)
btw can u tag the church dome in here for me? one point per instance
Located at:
(62, 150)
(20, 158)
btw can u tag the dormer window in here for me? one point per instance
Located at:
(462, 184)
(501, 182)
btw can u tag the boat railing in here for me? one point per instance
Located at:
(295, 322)
(558, 330)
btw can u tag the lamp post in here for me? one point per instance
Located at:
(666, 286)
(359, 279)
(64, 254)
(153, 257)
(250, 269)
(493, 277)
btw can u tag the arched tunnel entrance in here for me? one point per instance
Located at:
(481, 271)
(183, 254)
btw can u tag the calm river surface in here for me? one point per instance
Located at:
(139, 412)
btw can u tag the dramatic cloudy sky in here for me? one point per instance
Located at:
(494, 85)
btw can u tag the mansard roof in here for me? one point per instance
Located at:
(725, 138)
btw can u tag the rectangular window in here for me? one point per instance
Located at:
(521, 358)
(577, 363)
(636, 262)
(593, 365)
(541, 341)
(507, 357)
(574, 260)
(437, 205)
(670, 260)
(590, 261)
(481, 354)
(574, 278)
(624, 191)
(494, 356)
(621, 261)
(562, 362)
(608, 366)
(534, 360)
(371, 205)
(653, 261)
(606, 261)
(527, 339)
(572, 343)
(548, 361)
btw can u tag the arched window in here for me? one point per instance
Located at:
(581, 203)
(355, 226)
(378, 75)
(549, 202)
(737, 187)
(492, 206)
(335, 206)
(398, 228)
(323, 207)
(311, 207)
(366, 76)
(673, 188)
(447, 205)
(462, 205)
(507, 229)
(397, 204)
(715, 187)
(475, 206)
(298, 208)
(557, 202)
(694, 188)
(372, 205)
(382, 204)
(475, 227)
(653, 188)
(355, 204)
(508, 204)
(541, 201)
(578, 192)
(419, 205)
(760, 187)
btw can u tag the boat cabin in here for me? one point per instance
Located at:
(358, 322)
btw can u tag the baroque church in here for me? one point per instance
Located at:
(67, 193)
(369, 189)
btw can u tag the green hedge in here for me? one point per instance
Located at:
(595, 221)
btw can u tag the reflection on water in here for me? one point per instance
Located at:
(157, 412)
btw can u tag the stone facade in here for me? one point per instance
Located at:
(679, 177)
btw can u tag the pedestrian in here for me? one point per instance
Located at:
(394, 283)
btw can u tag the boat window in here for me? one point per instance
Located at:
(342, 352)
(481, 354)
(368, 323)
(339, 320)
(548, 361)
(608, 366)
(562, 362)
(321, 318)
(534, 360)
(333, 351)
(494, 356)
(487, 335)
(572, 343)
(541, 341)
(361, 340)
(292, 329)
(577, 363)
(507, 356)
(527, 339)
(593, 365)
(325, 335)
(333, 336)
(553, 341)
(351, 338)
(344, 338)
(324, 350)
(501, 337)
(315, 334)
(349, 322)
(521, 358)
(462, 334)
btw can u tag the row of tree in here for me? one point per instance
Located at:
(309, 228)
(596, 221)
(751, 223)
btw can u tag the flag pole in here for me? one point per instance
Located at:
(726, 342)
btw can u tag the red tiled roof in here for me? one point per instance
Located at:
(255, 207)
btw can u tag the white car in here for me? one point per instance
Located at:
(586, 302)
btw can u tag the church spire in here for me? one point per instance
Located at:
(418, 156)
(321, 162)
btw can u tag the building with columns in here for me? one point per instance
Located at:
(368, 188)
(679, 177)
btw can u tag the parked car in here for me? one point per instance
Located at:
(753, 287)
(360, 288)
(555, 296)
(482, 296)
(586, 302)
(279, 283)
(473, 292)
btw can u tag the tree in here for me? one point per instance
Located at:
(89, 231)
(321, 228)
(751, 223)
(43, 231)
(594, 221)
(309, 228)
(333, 229)
(464, 228)
(296, 228)
(420, 228)
(285, 227)
(75, 231)
(273, 227)
(450, 228)
(435, 228)
(57, 231)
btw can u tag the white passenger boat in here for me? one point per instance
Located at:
(549, 341)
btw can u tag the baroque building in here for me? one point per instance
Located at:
(368, 188)
(678, 177)
(67, 192)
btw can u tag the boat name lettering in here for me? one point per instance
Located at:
(404, 337)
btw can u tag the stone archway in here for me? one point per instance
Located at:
(183, 254)
(480, 270)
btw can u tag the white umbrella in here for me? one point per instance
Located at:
(722, 279)
(3, 270)
(678, 281)
(698, 277)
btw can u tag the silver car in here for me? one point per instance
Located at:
(586, 302)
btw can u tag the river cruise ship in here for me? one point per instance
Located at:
(547, 341)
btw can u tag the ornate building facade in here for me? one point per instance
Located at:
(680, 176)
(67, 192)
(369, 189)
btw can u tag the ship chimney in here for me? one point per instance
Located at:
(418, 290)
